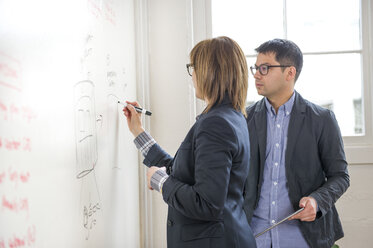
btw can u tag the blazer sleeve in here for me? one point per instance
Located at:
(215, 142)
(158, 157)
(334, 165)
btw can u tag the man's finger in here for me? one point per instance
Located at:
(303, 202)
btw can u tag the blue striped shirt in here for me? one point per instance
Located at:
(274, 202)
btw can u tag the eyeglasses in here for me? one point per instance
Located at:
(263, 68)
(190, 68)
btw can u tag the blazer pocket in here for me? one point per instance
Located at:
(202, 230)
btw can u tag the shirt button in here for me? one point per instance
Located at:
(273, 221)
(277, 144)
(287, 113)
(273, 203)
(278, 125)
(276, 164)
(170, 222)
(275, 183)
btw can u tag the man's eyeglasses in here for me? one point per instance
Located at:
(263, 68)
(190, 68)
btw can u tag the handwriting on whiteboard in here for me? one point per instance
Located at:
(10, 72)
(107, 12)
(14, 177)
(20, 239)
(89, 217)
(14, 112)
(15, 144)
(15, 204)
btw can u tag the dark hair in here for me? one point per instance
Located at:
(286, 52)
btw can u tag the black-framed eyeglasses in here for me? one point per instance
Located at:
(190, 68)
(264, 68)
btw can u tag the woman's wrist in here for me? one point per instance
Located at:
(136, 132)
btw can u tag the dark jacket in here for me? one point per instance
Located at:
(204, 191)
(315, 166)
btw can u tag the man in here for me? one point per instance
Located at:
(297, 157)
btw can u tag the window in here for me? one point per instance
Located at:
(330, 41)
(335, 37)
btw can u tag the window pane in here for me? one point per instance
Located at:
(334, 81)
(248, 22)
(252, 94)
(321, 25)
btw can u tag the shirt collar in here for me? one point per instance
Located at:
(287, 106)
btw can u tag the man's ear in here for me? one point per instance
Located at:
(292, 71)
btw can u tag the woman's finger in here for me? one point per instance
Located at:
(136, 104)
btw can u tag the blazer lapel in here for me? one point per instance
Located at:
(295, 126)
(261, 128)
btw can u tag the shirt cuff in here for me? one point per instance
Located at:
(157, 180)
(144, 142)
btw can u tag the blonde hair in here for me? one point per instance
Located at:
(220, 67)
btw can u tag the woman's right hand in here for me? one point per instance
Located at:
(133, 118)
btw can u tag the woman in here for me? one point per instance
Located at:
(203, 184)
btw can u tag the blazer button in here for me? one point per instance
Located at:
(169, 223)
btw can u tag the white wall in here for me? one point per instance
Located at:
(171, 98)
(355, 208)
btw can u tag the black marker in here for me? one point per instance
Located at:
(139, 110)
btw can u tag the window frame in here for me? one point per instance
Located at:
(358, 149)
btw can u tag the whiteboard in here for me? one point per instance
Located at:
(68, 166)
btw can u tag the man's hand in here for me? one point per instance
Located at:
(310, 208)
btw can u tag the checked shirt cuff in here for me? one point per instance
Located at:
(144, 142)
(157, 180)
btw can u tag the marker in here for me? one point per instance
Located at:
(139, 110)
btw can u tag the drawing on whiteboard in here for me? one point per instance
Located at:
(85, 128)
(86, 153)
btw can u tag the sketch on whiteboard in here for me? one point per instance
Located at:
(86, 153)
(85, 128)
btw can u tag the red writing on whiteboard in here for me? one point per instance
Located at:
(15, 112)
(15, 205)
(109, 12)
(20, 240)
(15, 144)
(14, 176)
(10, 70)
(94, 8)
(2, 178)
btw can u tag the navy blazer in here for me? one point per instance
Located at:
(204, 191)
(315, 165)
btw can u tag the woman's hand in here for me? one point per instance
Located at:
(133, 118)
(150, 173)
